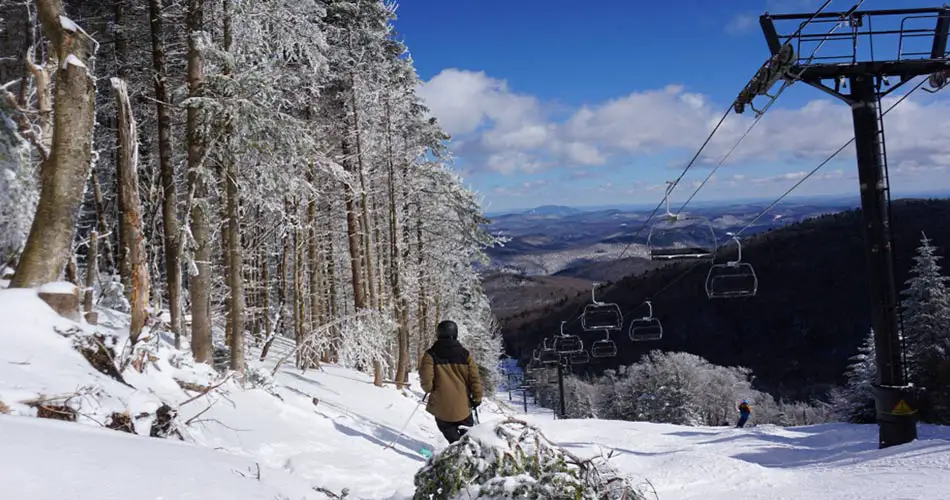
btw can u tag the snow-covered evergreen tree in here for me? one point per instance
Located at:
(855, 401)
(926, 316)
(927, 331)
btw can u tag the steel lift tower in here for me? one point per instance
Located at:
(915, 43)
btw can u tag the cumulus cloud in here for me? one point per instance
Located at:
(498, 129)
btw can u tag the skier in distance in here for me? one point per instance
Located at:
(744, 411)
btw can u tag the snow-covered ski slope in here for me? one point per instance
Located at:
(252, 445)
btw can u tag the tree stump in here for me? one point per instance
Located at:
(63, 297)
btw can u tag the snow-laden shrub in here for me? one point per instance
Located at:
(257, 376)
(513, 459)
(113, 295)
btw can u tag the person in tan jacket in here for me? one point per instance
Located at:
(450, 376)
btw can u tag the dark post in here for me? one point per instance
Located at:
(560, 387)
(524, 394)
(868, 139)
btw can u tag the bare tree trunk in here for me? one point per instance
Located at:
(121, 53)
(364, 219)
(353, 237)
(236, 274)
(299, 312)
(316, 315)
(132, 210)
(200, 225)
(63, 174)
(333, 313)
(380, 255)
(167, 170)
(265, 293)
(402, 307)
(235, 248)
(92, 270)
(101, 222)
(423, 295)
(72, 270)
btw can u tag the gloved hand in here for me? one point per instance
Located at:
(474, 404)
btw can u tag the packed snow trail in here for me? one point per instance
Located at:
(827, 462)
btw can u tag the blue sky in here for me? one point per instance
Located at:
(559, 102)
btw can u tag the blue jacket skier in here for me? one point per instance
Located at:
(744, 411)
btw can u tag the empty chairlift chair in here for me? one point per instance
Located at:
(601, 316)
(646, 328)
(604, 348)
(548, 355)
(567, 344)
(579, 358)
(677, 237)
(733, 279)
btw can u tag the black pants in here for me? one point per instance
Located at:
(451, 430)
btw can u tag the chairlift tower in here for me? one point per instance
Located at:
(915, 42)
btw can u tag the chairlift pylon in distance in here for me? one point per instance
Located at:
(567, 344)
(600, 315)
(733, 279)
(646, 328)
(604, 348)
(679, 236)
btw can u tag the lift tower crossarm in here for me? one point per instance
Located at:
(867, 78)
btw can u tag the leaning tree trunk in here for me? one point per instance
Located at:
(167, 170)
(200, 224)
(134, 241)
(63, 175)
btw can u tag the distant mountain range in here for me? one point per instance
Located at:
(552, 239)
(851, 200)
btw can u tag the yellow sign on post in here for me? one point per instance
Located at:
(902, 408)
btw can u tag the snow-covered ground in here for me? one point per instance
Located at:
(248, 444)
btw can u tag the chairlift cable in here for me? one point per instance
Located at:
(812, 172)
(824, 162)
(705, 143)
(785, 85)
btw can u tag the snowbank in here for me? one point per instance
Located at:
(50, 460)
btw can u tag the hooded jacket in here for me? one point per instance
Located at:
(449, 374)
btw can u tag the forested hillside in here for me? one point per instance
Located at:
(810, 314)
(230, 171)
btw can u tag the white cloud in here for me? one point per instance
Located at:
(465, 100)
(742, 23)
(507, 132)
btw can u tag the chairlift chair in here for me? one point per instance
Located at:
(678, 236)
(579, 358)
(567, 344)
(733, 279)
(604, 348)
(646, 328)
(548, 355)
(600, 315)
